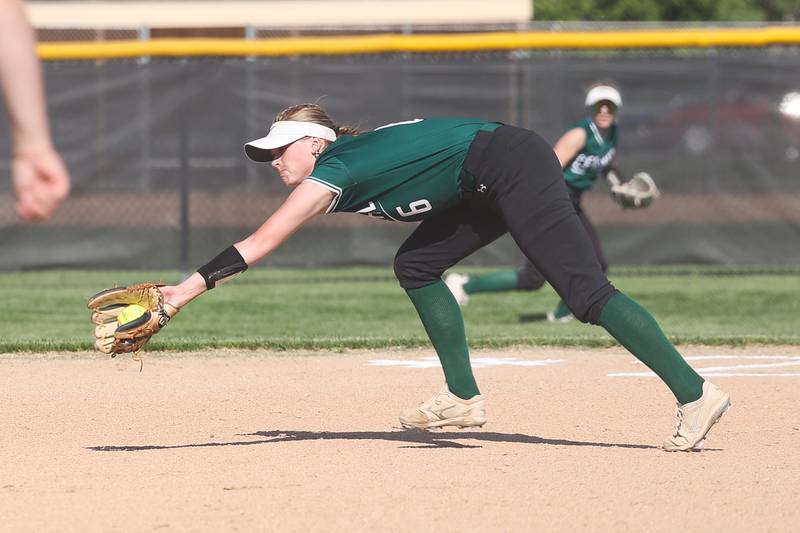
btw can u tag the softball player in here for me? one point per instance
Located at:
(586, 151)
(469, 181)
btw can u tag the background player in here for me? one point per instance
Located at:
(41, 181)
(469, 181)
(587, 150)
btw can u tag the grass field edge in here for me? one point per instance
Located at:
(357, 343)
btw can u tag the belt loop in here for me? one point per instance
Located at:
(468, 182)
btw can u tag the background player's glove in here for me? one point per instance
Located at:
(639, 192)
(121, 328)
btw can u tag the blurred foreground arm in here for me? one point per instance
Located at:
(40, 179)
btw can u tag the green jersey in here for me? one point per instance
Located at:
(594, 157)
(406, 171)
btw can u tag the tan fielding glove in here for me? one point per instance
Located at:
(113, 337)
(637, 193)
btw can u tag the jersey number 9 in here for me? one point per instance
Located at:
(415, 208)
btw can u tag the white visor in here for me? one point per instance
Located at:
(282, 133)
(601, 93)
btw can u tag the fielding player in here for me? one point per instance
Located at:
(469, 181)
(40, 179)
(587, 150)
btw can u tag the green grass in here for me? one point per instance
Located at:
(348, 308)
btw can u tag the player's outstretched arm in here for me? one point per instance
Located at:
(305, 202)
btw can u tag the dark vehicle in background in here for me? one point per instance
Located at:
(697, 122)
(740, 119)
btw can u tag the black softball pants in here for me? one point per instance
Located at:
(519, 188)
(528, 276)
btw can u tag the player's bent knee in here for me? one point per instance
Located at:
(413, 274)
(587, 310)
(527, 283)
(589, 313)
(581, 314)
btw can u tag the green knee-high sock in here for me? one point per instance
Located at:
(442, 319)
(561, 310)
(499, 281)
(638, 331)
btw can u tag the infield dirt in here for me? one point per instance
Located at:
(260, 441)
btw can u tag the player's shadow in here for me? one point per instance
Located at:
(408, 439)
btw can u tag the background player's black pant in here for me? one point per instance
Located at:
(519, 189)
(530, 279)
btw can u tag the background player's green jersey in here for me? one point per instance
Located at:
(595, 156)
(406, 171)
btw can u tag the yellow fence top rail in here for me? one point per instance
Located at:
(389, 43)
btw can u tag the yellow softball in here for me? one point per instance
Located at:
(130, 313)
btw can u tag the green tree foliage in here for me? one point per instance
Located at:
(701, 10)
(630, 9)
(668, 10)
(788, 10)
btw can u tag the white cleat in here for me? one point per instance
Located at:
(563, 319)
(695, 419)
(446, 409)
(455, 282)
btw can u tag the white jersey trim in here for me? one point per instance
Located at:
(337, 191)
(386, 212)
(596, 132)
(403, 123)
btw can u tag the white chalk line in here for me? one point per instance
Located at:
(710, 357)
(711, 374)
(477, 362)
(731, 370)
(735, 370)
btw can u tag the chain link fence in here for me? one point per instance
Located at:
(160, 180)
